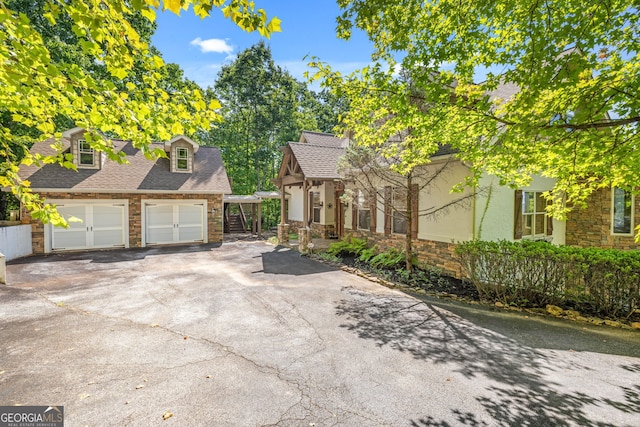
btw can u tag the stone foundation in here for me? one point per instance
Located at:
(440, 255)
(319, 231)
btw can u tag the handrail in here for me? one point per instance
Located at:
(243, 218)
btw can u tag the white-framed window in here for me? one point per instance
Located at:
(363, 204)
(534, 214)
(621, 212)
(182, 159)
(399, 202)
(86, 155)
(317, 206)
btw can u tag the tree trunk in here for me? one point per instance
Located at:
(408, 247)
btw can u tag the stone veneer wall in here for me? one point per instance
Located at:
(214, 226)
(322, 231)
(591, 227)
(440, 255)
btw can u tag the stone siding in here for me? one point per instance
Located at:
(214, 222)
(320, 231)
(440, 255)
(591, 227)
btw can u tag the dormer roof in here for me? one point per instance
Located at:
(168, 144)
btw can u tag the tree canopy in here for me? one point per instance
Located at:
(121, 87)
(263, 107)
(559, 96)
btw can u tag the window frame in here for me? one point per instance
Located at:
(363, 207)
(631, 212)
(86, 152)
(317, 207)
(531, 216)
(179, 158)
(399, 210)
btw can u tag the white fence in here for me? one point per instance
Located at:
(15, 241)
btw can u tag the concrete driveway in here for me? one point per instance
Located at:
(248, 334)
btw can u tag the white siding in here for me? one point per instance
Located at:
(15, 241)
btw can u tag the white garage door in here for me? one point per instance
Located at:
(175, 222)
(91, 226)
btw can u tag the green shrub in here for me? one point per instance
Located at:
(367, 254)
(538, 273)
(349, 246)
(390, 259)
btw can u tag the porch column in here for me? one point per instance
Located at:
(304, 233)
(283, 227)
(260, 219)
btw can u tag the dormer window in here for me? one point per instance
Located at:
(181, 152)
(85, 154)
(182, 159)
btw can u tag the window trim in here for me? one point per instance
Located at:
(524, 215)
(185, 159)
(631, 214)
(317, 207)
(363, 206)
(86, 152)
(395, 211)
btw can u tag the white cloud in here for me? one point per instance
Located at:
(213, 45)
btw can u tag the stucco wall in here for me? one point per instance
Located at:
(15, 241)
(454, 224)
(495, 207)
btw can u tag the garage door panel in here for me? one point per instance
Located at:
(159, 215)
(190, 223)
(75, 236)
(70, 239)
(190, 215)
(101, 226)
(107, 238)
(76, 217)
(174, 223)
(190, 234)
(159, 223)
(108, 217)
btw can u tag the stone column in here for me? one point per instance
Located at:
(283, 233)
(304, 238)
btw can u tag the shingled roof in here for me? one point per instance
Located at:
(139, 175)
(323, 139)
(317, 161)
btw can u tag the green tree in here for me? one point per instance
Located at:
(124, 95)
(387, 161)
(264, 107)
(560, 96)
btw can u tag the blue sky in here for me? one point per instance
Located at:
(201, 47)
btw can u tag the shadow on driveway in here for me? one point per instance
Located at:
(283, 260)
(520, 387)
(107, 256)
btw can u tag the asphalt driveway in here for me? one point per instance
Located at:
(248, 334)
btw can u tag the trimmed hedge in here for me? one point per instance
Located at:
(536, 273)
